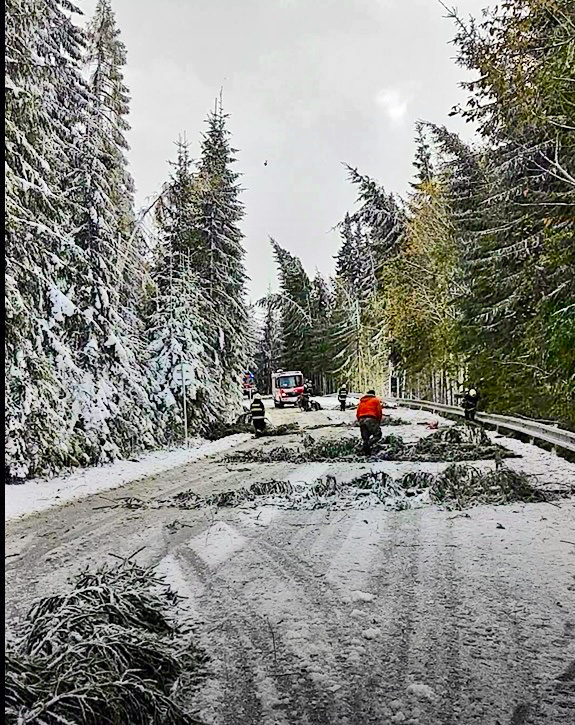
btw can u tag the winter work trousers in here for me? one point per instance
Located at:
(370, 432)
(342, 403)
(259, 425)
(470, 413)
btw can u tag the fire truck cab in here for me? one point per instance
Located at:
(287, 386)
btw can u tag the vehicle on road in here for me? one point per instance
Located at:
(249, 385)
(287, 386)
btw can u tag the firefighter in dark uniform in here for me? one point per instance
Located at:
(258, 413)
(470, 403)
(342, 397)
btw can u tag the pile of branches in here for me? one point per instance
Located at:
(106, 652)
(386, 420)
(218, 430)
(240, 495)
(282, 430)
(268, 455)
(190, 500)
(222, 430)
(461, 486)
(458, 443)
(323, 449)
(458, 486)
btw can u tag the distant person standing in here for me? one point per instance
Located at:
(342, 397)
(258, 413)
(470, 403)
(369, 414)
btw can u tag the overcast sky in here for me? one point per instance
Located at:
(308, 84)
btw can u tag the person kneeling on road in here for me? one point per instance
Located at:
(369, 415)
(258, 413)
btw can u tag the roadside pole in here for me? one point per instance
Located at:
(185, 410)
(184, 373)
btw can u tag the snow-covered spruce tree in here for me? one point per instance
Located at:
(423, 156)
(218, 255)
(519, 317)
(252, 337)
(370, 238)
(295, 306)
(347, 262)
(182, 321)
(381, 216)
(354, 260)
(269, 345)
(321, 307)
(113, 410)
(44, 91)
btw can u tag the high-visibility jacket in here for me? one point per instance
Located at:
(370, 406)
(257, 410)
(342, 394)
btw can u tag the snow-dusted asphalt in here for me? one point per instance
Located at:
(357, 616)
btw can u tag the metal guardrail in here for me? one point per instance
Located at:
(555, 436)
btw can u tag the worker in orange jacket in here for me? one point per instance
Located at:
(369, 414)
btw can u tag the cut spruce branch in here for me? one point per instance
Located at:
(222, 430)
(104, 652)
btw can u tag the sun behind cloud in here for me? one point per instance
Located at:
(393, 104)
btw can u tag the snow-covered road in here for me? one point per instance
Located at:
(420, 616)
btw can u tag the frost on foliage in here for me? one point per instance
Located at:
(42, 49)
(71, 399)
(89, 367)
(197, 311)
(62, 306)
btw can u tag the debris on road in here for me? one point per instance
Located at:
(220, 430)
(285, 567)
(462, 486)
(459, 443)
(458, 486)
(456, 443)
(104, 652)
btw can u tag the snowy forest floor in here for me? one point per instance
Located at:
(421, 616)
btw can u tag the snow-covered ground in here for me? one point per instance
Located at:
(350, 616)
(548, 467)
(39, 494)
(330, 402)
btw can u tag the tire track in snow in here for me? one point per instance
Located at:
(242, 642)
(377, 652)
(289, 582)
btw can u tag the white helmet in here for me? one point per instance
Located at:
(473, 392)
(257, 396)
